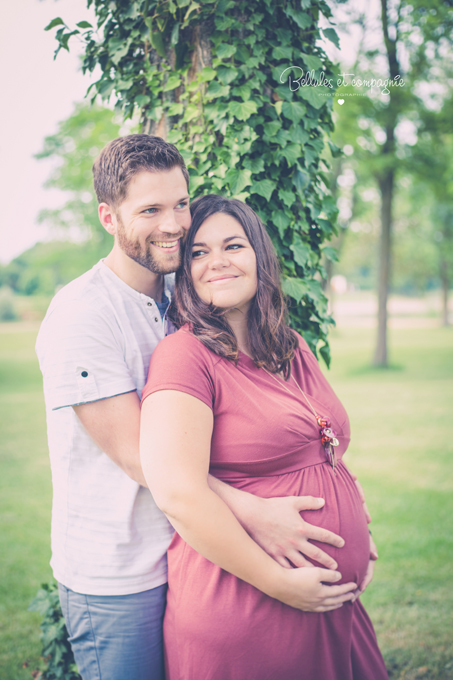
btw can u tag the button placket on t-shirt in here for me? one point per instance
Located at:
(156, 317)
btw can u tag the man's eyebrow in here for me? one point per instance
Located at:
(159, 205)
(225, 240)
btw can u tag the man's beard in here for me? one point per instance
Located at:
(144, 256)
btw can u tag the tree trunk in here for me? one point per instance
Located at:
(201, 57)
(386, 187)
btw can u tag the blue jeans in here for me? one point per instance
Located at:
(116, 637)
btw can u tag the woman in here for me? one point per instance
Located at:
(237, 393)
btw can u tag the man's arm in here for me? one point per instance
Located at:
(274, 523)
(114, 425)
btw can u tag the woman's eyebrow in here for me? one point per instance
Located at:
(225, 240)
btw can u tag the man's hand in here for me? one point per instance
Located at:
(370, 570)
(277, 526)
(281, 531)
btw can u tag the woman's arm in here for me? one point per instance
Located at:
(175, 440)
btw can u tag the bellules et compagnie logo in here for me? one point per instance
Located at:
(296, 78)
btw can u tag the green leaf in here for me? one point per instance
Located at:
(207, 74)
(243, 54)
(82, 24)
(195, 182)
(311, 61)
(292, 153)
(271, 129)
(256, 165)
(316, 96)
(331, 35)
(299, 134)
(174, 34)
(172, 83)
(287, 197)
(238, 179)
(216, 89)
(142, 100)
(242, 110)
(281, 221)
(302, 19)
(175, 109)
(301, 251)
(226, 75)
(294, 111)
(278, 107)
(301, 180)
(282, 52)
(310, 155)
(263, 188)
(225, 51)
(335, 150)
(330, 253)
(295, 288)
(324, 351)
(55, 22)
(243, 91)
(158, 43)
(190, 113)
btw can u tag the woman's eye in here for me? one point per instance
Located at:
(197, 253)
(234, 246)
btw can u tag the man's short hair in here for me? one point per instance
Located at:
(124, 157)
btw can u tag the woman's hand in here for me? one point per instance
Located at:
(305, 589)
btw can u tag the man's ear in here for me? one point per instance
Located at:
(107, 218)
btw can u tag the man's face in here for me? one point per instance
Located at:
(151, 222)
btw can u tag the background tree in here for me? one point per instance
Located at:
(208, 77)
(414, 35)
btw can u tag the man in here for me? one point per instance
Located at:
(109, 540)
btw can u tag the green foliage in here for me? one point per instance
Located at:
(208, 77)
(7, 308)
(45, 267)
(73, 148)
(57, 653)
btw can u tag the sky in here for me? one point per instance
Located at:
(37, 93)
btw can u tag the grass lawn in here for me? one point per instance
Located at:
(401, 448)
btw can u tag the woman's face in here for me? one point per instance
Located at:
(224, 264)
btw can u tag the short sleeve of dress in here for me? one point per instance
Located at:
(181, 362)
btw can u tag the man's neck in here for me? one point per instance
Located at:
(137, 277)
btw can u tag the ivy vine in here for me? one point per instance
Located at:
(215, 77)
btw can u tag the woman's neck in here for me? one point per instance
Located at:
(238, 322)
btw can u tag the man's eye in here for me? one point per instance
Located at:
(183, 204)
(150, 211)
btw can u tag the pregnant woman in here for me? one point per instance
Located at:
(237, 393)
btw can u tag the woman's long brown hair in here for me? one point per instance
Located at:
(272, 342)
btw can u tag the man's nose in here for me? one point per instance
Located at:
(168, 224)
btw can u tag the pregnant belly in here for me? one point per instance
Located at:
(342, 513)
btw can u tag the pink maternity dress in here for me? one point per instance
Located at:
(265, 441)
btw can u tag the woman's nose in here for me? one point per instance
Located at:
(218, 259)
